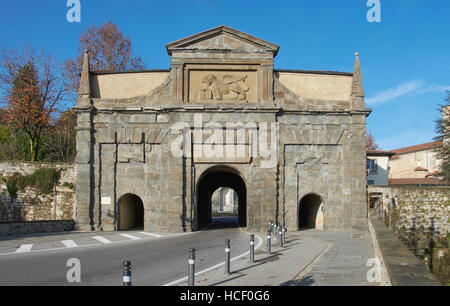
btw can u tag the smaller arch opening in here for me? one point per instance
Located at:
(131, 213)
(225, 204)
(311, 212)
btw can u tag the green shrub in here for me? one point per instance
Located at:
(43, 180)
(11, 186)
(69, 185)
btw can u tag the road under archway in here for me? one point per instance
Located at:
(209, 182)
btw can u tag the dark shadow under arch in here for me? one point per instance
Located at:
(308, 210)
(209, 182)
(131, 213)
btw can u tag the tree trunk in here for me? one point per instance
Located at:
(33, 149)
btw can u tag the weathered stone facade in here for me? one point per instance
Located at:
(316, 125)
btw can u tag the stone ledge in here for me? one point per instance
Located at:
(403, 267)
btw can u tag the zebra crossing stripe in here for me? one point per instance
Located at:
(69, 243)
(130, 236)
(24, 248)
(151, 234)
(102, 239)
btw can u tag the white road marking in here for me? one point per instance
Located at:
(131, 236)
(24, 248)
(151, 234)
(216, 266)
(89, 246)
(69, 243)
(102, 239)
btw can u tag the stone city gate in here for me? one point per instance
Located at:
(142, 138)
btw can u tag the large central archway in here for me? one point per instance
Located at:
(209, 182)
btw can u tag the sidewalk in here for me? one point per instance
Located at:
(310, 258)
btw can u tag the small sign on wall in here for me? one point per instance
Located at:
(106, 200)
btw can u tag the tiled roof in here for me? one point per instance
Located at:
(420, 169)
(420, 147)
(379, 153)
(417, 181)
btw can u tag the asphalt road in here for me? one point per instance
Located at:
(154, 262)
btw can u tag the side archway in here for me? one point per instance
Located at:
(310, 212)
(131, 212)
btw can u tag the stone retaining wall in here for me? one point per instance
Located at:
(402, 268)
(29, 205)
(22, 228)
(411, 207)
(420, 217)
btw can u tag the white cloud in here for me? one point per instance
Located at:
(414, 87)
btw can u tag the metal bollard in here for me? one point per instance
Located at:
(127, 273)
(252, 248)
(280, 236)
(283, 235)
(227, 256)
(268, 243)
(191, 270)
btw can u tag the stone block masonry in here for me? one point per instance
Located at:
(314, 147)
(420, 217)
(30, 205)
(32, 227)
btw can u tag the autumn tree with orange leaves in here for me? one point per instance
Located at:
(109, 50)
(371, 144)
(33, 88)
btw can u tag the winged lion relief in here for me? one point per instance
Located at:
(225, 87)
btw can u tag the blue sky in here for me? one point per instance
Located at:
(405, 58)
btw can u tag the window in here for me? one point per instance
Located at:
(370, 182)
(371, 166)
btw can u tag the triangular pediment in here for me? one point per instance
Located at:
(223, 38)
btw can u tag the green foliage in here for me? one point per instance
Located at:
(43, 180)
(69, 185)
(443, 132)
(57, 143)
(11, 186)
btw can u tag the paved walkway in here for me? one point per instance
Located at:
(310, 258)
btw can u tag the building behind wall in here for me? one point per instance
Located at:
(225, 200)
(415, 165)
(131, 125)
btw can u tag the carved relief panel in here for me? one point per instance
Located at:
(221, 84)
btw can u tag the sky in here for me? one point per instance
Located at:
(405, 57)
